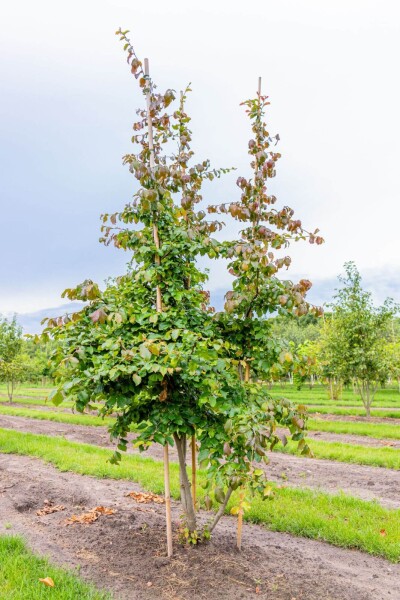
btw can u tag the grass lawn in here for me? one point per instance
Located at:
(388, 458)
(35, 401)
(338, 519)
(59, 417)
(374, 430)
(387, 397)
(20, 571)
(355, 412)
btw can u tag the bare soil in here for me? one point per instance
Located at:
(368, 483)
(359, 440)
(125, 552)
(357, 418)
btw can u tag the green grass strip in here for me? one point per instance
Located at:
(34, 401)
(350, 453)
(58, 417)
(357, 412)
(388, 458)
(338, 519)
(20, 571)
(374, 430)
(319, 394)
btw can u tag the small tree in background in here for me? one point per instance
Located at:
(356, 335)
(392, 352)
(149, 348)
(12, 364)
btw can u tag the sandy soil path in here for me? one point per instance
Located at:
(125, 552)
(368, 483)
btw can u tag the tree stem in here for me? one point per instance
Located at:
(186, 495)
(194, 472)
(221, 509)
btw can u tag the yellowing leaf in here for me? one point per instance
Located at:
(268, 492)
(137, 379)
(47, 581)
(154, 349)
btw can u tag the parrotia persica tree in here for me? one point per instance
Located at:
(149, 349)
(354, 340)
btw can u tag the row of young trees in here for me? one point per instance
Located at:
(20, 359)
(355, 343)
(151, 350)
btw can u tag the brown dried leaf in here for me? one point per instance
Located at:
(49, 508)
(47, 581)
(145, 498)
(91, 516)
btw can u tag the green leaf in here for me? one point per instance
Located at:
(137, 379)
(56, 396)
(144, 352)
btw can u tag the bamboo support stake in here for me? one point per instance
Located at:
(194, 464)
(167, 488)
(167, 494)
(240, 521)
(247, 372)
(241, 495)
(194, 474)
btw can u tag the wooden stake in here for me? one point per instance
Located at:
(194, 469)
(247, 372)
(194, 465)
(167, 495)
(240, 521)
(259, 86)
(241, 495)
(167, 489)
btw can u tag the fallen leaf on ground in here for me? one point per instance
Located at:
(47, 581)
(145, 498)
(91, 516)
(49, 508)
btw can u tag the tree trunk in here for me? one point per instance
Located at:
(367, 396)
(10, 389)
(185, 487)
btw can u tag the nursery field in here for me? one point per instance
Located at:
(337, 515)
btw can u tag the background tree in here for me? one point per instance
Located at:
(355, 337)
(12, 369)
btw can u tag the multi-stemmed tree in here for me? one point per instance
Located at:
(149, 348)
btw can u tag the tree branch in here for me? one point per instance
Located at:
(221, 509)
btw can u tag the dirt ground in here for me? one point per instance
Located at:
(368, 483)
(359, 440)
(356, 418)
(125, 552)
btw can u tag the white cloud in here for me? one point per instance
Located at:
(68, 100)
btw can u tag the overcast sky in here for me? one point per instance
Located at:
(67, 103)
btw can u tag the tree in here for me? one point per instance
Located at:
(354, 341)
(149, 348)
(11, 364)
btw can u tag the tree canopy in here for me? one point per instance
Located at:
(149, 348)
